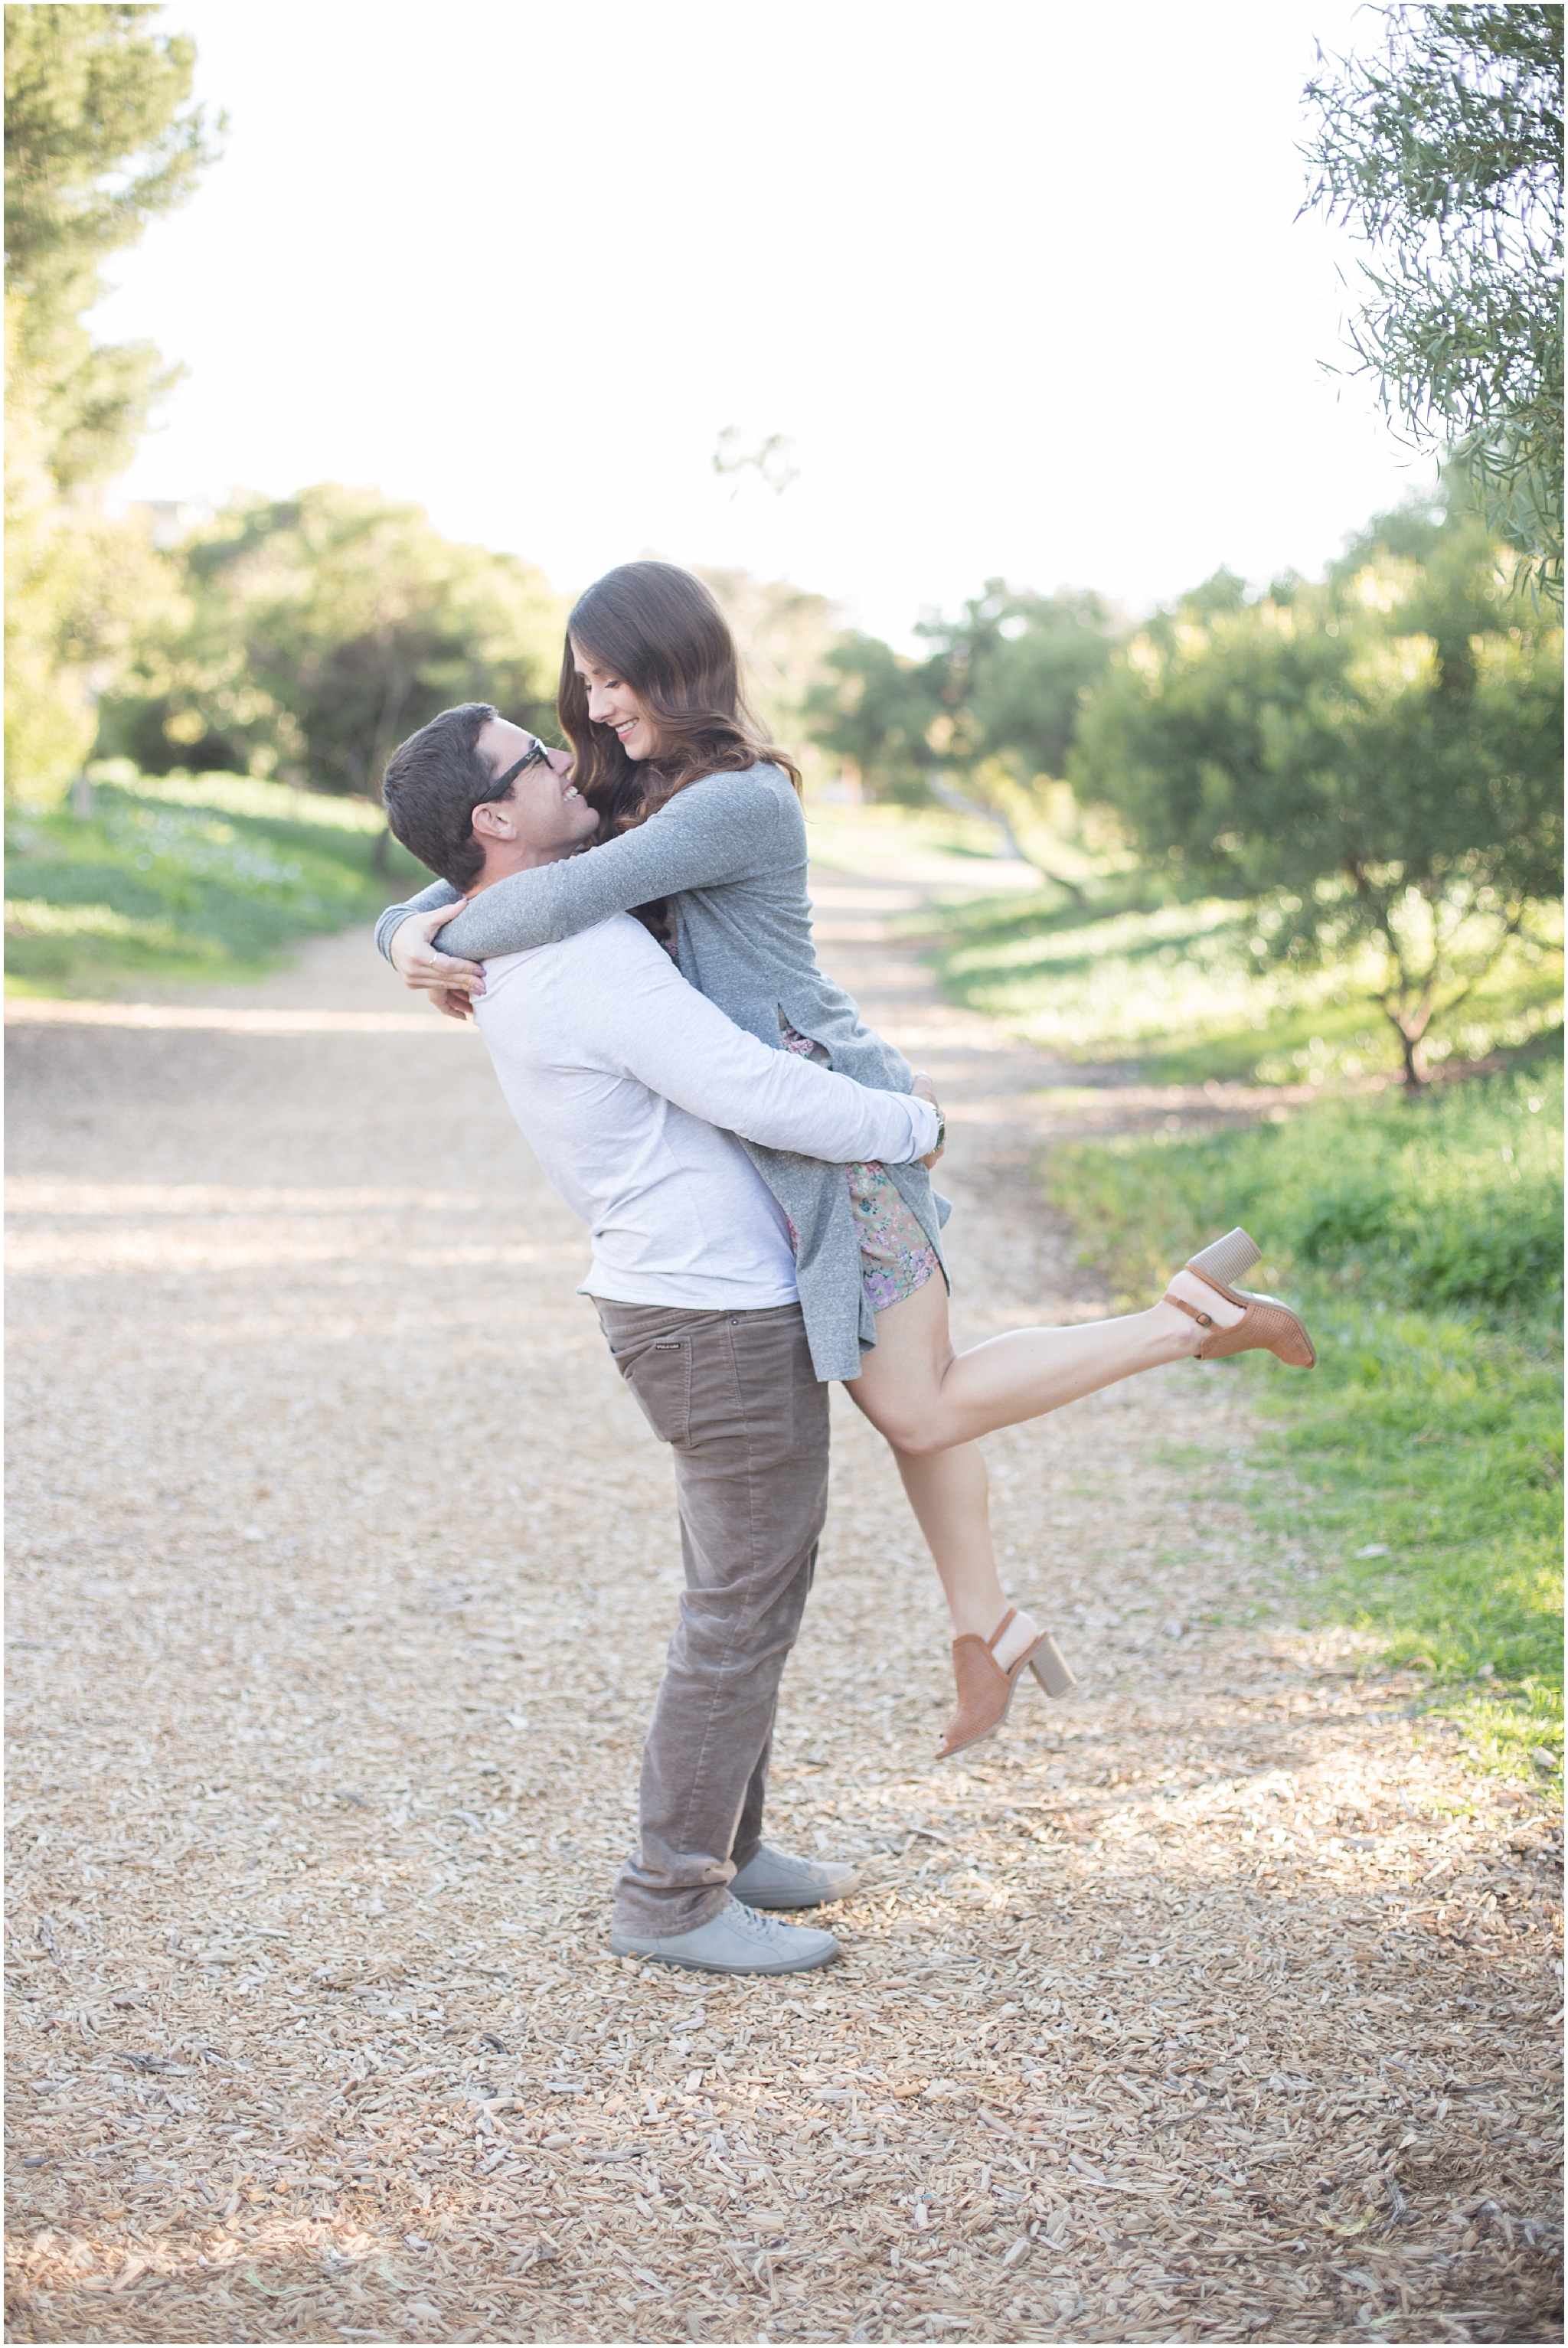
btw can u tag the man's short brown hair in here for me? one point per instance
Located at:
(432, 784)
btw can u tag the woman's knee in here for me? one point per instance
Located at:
(920, 1442)
(911, 1429)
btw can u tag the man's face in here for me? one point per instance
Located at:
(544, 813)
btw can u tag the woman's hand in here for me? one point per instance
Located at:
(452, 1002)
(420, 965)
(922, 1089)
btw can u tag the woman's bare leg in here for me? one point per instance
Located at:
(950, 1496)
(930, 1402)
(925, 1398)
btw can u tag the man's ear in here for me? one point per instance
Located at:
(492, 819)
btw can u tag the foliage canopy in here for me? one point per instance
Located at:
(985, 717)
(1446, 153)
(1378, 755)
(307, 636)
(99, 140)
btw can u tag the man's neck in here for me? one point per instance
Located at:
(501, 861)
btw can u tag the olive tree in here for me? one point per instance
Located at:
(1375, 759)
(1445, 153)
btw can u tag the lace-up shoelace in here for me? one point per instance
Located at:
(761, 1925)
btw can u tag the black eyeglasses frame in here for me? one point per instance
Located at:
(503, 783)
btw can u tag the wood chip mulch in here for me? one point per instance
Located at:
(1217, 2004)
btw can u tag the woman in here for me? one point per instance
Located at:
(702, 832)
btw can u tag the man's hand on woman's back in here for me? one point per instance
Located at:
(922, 1088)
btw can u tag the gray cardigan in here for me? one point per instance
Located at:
(731, 850)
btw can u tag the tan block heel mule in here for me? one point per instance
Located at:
(1265, 1322)
(986, 1690)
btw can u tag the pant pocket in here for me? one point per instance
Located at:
(658, 1371)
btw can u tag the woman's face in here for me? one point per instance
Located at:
(613, 703)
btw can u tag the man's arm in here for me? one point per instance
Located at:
(641, 1014)
(711, 831)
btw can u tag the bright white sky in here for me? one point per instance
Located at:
(1024, 285)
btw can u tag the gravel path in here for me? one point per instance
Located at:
(1209, 2005)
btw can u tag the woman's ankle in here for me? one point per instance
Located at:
(1196, 1291)
(1015, 1641)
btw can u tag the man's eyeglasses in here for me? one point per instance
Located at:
(503, 783)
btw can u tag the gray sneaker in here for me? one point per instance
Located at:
(771, 1879)
(736, 1940)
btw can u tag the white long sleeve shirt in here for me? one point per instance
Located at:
(630, 1086)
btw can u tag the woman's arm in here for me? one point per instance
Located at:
(439, 892)
(405, 933)
(712, 831)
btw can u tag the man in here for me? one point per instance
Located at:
(631, 1088)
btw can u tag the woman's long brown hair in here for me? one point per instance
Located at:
(657, 629)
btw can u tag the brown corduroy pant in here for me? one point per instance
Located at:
(734, 1395)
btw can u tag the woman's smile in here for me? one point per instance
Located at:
(634, 733)
(613, 703)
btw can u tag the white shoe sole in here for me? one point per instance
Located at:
(664, 1952)
(788, 1902)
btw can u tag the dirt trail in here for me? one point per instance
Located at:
(1210, 2004)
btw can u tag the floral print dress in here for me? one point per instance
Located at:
(896, 1257)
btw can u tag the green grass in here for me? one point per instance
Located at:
(185, 879)
(1422, 1458)
(1177, 992)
